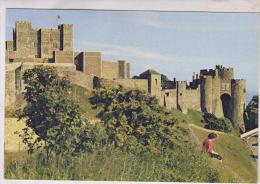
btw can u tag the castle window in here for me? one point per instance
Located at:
(156, 81)
(167, 94)
(180, 94)
(244, 90)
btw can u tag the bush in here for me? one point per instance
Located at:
(134, 121)
(214, 123)
(53, 118)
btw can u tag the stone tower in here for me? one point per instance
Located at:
(154, 82)
(181, 96)
(26, 42)
(210, 95)
(238, 90)
(66, 37)
(124, 69)
(30, 43)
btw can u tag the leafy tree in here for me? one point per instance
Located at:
(214, 123)
(52, 115)
(134, 121)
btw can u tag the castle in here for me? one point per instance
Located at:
(214, 91)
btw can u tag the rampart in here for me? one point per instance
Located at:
(140, 84)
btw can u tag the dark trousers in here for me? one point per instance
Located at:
(213, 155)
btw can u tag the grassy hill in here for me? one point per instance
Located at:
(237, 162)
(237, 166)
(82, 96)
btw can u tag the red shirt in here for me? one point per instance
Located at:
(208, 145)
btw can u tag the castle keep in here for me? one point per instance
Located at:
(56, 46)
(214, 91)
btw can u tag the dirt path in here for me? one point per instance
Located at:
(208, 130)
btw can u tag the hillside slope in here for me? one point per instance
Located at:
(238, 164)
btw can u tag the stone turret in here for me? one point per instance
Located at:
(66, 37)
(225, 73)
(210, 95)
(206, 94)
(238, 93)
(181, 97)
(124, 69)
(154, 82)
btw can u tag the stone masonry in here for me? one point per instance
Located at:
(214, 91)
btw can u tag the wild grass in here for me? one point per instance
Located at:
(114, 165)
(237, 162)
(82, 96)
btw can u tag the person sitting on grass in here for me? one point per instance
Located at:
(208, 146)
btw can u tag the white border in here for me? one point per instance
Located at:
(152, 5)
(163, 5)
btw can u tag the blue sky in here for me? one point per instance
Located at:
(174, 43)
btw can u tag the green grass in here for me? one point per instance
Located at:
(238, 165)
(194, 117)
(237, 160)
(82, 96)
(113, 165)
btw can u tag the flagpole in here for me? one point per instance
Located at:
(58, 18)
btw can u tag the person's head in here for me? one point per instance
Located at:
(212, 136)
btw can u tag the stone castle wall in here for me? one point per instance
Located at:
(141, 84)
(214, 91)
(192, 99)
(14, 85)
(110, 70)
(63, 57)
(92, 63)
(12, 141)
(169, 98)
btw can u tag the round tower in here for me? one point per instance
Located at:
(217, 109)
(238, 95)
(206, 94)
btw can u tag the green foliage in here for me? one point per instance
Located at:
(52, 114)
(134, 121)
(214, 123)
(252, 104)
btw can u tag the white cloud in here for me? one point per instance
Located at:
(143, 54)
(153, 21)
(122, 50)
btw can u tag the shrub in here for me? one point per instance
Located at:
(52, 115)
(134, 121)
(214, 123)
